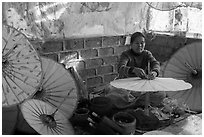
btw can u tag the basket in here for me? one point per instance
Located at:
(101, 105)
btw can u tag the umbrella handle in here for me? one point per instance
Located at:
(148, 71)
(148, 67)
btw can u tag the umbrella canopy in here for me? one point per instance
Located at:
(21, 67)
(70, 63)
(57, 87)
(45, 119)
(158, 84)
(186, 64)
(164, 6)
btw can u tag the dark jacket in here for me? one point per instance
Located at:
(129, 59)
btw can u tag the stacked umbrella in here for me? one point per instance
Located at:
(21, 67)
(44, 89)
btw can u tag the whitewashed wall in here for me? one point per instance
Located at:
(75, 19)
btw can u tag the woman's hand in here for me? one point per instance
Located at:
(140, 73)
(152, 75)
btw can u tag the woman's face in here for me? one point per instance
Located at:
(138, 45)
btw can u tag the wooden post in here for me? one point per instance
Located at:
(147, 103)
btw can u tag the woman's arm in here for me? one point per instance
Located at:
(124, 70)
(154, 64)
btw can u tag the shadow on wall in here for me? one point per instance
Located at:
(163, 46)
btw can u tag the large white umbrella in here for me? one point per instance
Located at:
(158, 84)
(57, 85)
(144, 85)
(21, 67)
(186, 64)
(45, 119)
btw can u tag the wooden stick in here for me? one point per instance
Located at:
(147, 103)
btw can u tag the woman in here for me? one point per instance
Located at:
(134, 63)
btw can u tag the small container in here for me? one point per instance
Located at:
(101, 105)
(81, 114)
(126, 121)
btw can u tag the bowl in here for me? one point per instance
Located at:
(126, 121)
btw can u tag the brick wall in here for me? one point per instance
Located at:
(97, 57)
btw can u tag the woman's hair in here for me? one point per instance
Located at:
(135, 35)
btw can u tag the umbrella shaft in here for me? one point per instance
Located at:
(148, 68)
(147, 104)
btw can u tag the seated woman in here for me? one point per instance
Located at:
(134, 63)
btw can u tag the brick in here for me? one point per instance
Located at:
(122, 40)
(120, 49)
(90, 53)
(84, 73)
(79, 64)
(110, 60)
(52, 56)
(52, 46)
(92, 89)
(104, 70)
(74, 44)
(110, 77)
(94, 81)
(71, 55)
(91, 63)
(115, 68)
(37, 45)
(111, 41)
(93, 42)
(106, 51)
